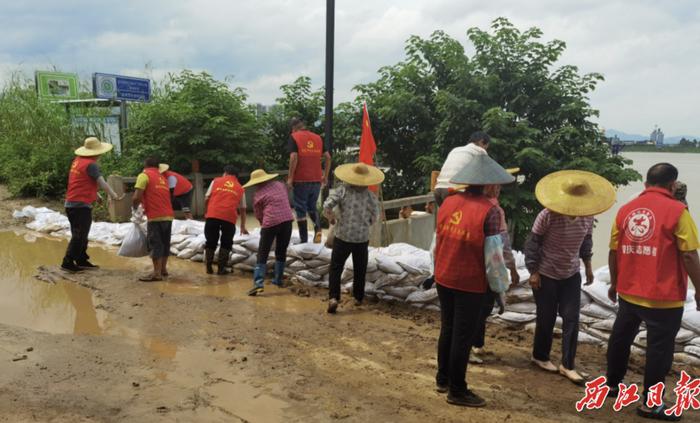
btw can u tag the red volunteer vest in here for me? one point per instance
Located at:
(183, 185)
(309, 151)
(649, 264)
(81, 187)
(226, 194)
(156, 196)
(459, 251)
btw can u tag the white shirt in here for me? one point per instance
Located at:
(456, 160)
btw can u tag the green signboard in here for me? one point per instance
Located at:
(57, 85)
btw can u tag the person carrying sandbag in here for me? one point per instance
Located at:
(181, 190)
(224, 200)
(273, 211)
(359, 210)
(84, 178)
(468, 262)
(561, 237)
(653, 251)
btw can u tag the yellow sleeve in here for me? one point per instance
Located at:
(141, 181)
(686, 233)
(613, 236)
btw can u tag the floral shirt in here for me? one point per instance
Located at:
(359, 209)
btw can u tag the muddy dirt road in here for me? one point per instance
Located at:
(102, 347)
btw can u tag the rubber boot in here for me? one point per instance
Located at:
(303, 231)
(279, 273)
(258, 279)
(223, 261)
(209, 259)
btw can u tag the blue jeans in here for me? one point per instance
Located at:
(305, 199)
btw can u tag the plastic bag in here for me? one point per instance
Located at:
(331, 236)
(496, 271)
(134, 243)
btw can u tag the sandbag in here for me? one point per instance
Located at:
(432, 307)
(584, 338)
(603, 275)
(599, 292)
(199, 257)
(684, 335)
(306, 274)
(687, 358)
(390, 279)
(314, 263)
(524, 307)
(519, 294)
(187, 253)
(420, 296)
(388, 298)
(597, 311)
(585, 298)
(251, 260)
(237, 258)
(325, 255)
(605, 325)
(306, 251)
(346, 275)
(239, 249)
(691, 319)
(134, 243)
(389, 265)
(251, 244)
(692, 349)
(399, 291)
(520, 318)
(297, 265)
(321, 270)
(374, 276)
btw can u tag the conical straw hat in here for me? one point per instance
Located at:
(93, 147)
(510, 170)
(359, 174)
(575, 193)
(482, 170)
(259, 176)
(163, 167)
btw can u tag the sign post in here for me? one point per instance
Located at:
(124, 88)
(57, 85)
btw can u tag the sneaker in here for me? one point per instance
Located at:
(357, 302)
(317, 237)
(86, 265)
(467, 399)
(475, 359)
(545, 365)
(480, 351)
(255, 291)
(442, 388)
(70, 267)
(572, 375)
(657, 413)
(614, 391)
(332, 306)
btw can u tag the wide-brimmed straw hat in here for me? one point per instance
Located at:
(359, 174)
(575, 193)
(163, 167)
(93, 147)
(482, 170)
(259, 176)
(510, 170)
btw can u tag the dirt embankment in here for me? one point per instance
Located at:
(195, 348)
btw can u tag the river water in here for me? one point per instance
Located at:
(688, 165)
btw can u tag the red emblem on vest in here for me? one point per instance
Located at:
(640, 225)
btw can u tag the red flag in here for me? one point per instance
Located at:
(367, 145)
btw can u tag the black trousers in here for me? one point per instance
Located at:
(341, 252)
(80, 219)
(280, 234)
(554, 297)
(489, 303)
(662, 328)
(460, 315)
(217, 230)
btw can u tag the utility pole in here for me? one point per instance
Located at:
(330, 41)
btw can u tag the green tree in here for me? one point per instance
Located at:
(193, 116)
(538, 114)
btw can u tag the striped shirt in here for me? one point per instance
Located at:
(558, 243)
(271, 204)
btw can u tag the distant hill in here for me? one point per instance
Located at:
(624, 136)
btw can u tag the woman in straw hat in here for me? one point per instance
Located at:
(273, 211)
(468, 227)
(359, 210)
(561, 237)
(84, 179)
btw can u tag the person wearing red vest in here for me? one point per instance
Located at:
(224, 199)
(468, 225)
(84, 178)
(306, 177)
(151, 190)
(181, 190)
(653, 250)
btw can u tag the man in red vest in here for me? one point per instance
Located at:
(224, 199)
(151, 190)
(306, 177)
(468, 225)
(653, 250)
(83, 179)
(180, 190)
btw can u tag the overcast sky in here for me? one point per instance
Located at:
(648, 50)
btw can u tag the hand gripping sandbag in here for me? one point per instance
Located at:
(134, 243)
(496, 271)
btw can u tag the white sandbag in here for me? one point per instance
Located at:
(598, 311)
(239, 249)
(134, 243)
(174, 251)
(692, 349)
(178, 238)
(603, 336)
(584, 338)
(524, 307)
(197, 243)
(695, 341)
(605, 325)
(388, 265)
(297, 265)
(199, 257)
(684, 335)
(374, 276)
(686, 358)
(691, 320)
(420, 296)
(346, 275)
(519, 260)
(325, 255)
(519, 294)
(399, 291)
(599, 292)
(307, 282)
(309, 275)
(321, 270)
(237, 258)
(432, 307)
(251, 244)
(182, 245)
(370, 289)
(244, 267)
(585, 298)
(390, 279)
(641, 339)
(187, 253)
(251, 260)
(306, 251)
(603, 275)
(314, 263)
(519, 318)
(388, 298)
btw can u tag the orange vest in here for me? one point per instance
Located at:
(81, 187)
(183, 185)
(156, 196)
(309, 151)
(649, 264)
(459, 251)
(226, 194)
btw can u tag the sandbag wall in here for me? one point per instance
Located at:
(394, 273)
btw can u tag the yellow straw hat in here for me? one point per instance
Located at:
(359, 174)
(93, 147)
(259, 176)
(163, 167)
(575, 193)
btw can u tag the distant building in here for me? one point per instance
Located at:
(657, 137)
(261, 109)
